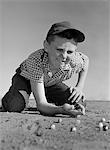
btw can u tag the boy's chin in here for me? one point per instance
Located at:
(63, 64)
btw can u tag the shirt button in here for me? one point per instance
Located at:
(50, 74)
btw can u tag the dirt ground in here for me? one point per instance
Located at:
(31, 131)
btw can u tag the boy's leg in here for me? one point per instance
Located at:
(15, 99)
(26, 96)
(59, 94)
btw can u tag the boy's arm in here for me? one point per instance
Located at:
(82, 76)
(44, 107)
(76, 91)
(42, 104)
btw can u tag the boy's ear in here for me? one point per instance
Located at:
(45, 44)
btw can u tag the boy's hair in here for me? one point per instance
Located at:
(64, 30)
(65, 34)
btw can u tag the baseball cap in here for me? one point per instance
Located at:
(64, 26)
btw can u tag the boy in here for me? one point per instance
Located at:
(44, 71)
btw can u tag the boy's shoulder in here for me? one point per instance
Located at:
(37, 53)
(79, 59)
(80, 55)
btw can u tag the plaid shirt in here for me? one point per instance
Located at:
(36, 67)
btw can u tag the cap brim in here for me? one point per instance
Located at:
(78, 35)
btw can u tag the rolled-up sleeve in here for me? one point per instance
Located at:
(85, 61)
(79, 62)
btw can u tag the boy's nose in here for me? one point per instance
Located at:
(64, 55)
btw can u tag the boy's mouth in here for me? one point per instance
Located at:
(66, 61)
(63, 60)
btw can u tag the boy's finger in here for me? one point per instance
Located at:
(75, 112)
(78, 99)
(75, 97)
(82, 109)
(72, 95)
(71, 89)
(83, 98)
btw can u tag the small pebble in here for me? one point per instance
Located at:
(38, 132)
(103, 120)
(73, 129)
(59, 120)
(40, 140)
(105, 127)
(53, 127)
(78, 116)
(100, 125)
(78, 121)
(108, 121)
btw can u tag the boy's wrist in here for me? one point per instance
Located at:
(80, 87)
(61, 110)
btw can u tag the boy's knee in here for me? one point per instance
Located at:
(13, 101)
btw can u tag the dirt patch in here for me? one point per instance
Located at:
(31, 131)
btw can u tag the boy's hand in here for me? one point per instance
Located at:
(70, 109)
(76, 95)
(80, 107)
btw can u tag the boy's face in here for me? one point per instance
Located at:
(61, 51)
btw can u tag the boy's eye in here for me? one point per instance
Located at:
(59, 49)
(69, 52)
